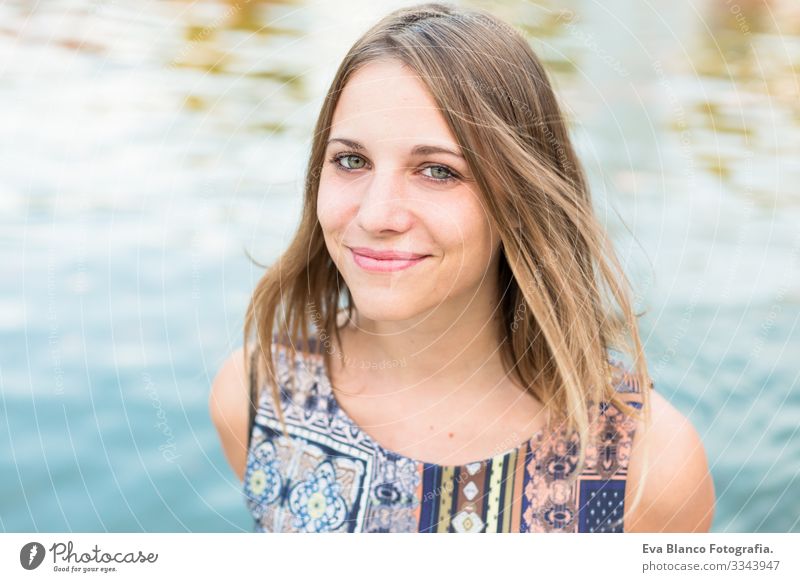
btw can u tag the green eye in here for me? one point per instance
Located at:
(440, 172)
(359, 161)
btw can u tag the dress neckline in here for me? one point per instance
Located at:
(323, 374)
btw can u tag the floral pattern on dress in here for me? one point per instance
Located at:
(263, 481)
(317, 503)
(328, 475)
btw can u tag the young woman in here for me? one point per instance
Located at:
(433, 348)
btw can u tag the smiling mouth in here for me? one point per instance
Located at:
(375, 265)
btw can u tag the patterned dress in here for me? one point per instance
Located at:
(330, 476)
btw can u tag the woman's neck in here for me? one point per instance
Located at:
(436, 352)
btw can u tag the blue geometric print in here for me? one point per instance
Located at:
(601, 504)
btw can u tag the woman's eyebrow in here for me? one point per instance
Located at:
(418, 150)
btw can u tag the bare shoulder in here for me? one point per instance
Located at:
(678, 491)
(228, 406)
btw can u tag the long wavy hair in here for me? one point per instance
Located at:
(564, 298)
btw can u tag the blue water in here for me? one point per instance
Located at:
(146, 146)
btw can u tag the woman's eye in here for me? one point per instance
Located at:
(354, 163)
(440, 173)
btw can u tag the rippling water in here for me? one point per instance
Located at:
(146, 145)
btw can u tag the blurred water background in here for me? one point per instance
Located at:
(144, 146)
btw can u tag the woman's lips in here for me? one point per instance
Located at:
(383, 265)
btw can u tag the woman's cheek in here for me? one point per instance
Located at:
(331, 211)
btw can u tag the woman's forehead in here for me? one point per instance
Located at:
(385, 102)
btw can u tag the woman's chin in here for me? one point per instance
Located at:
(391, 306)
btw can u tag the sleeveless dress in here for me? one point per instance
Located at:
(331, 476)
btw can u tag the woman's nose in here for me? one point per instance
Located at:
(384, 203)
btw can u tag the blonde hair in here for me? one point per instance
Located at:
(563, 295)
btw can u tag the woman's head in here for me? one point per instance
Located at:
(517, 227)
(394, 179)
(519, 208)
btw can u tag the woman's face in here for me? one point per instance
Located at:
(389, 186)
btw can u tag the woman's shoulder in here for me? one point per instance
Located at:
(229, 387)
(299, 369)
(677, 493)
(227, 404)
(240, 376)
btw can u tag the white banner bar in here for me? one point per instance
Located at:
(288, 557)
